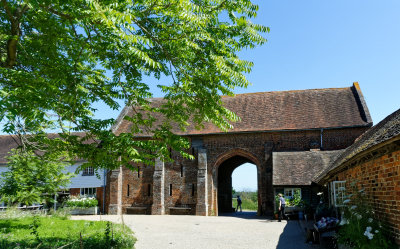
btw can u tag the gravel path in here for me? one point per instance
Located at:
(199, 232)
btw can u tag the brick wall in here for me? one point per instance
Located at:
(251, 147)
(75, 191)
(380, 177)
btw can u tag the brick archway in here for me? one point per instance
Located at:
(237, 152)
(224, 167)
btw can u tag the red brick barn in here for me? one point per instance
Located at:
(287, 121)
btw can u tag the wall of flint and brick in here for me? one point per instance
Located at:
(380, 177)
(258, 147)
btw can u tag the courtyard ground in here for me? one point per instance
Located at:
(244, 230)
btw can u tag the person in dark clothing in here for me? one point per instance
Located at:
(282, 204)
(239, 204)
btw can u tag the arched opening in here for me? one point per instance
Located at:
(244, 184)
(225, 171)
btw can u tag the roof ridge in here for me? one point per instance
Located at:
(282, 91)
(361, 144)
(251, 93)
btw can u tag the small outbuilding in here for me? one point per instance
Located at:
(293, 172)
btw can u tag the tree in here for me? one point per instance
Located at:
(29, 177)
(59, 57)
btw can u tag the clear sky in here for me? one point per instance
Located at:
(324, 44)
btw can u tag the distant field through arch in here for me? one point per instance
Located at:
(244, 183)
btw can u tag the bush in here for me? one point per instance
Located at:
(82, 202)
(359, 227)
(295, 200)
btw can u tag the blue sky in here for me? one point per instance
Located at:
(324, 44)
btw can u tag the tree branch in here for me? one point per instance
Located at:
(8, 10)
(15, 33)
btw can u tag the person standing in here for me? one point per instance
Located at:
(282, 204)
(239, 204)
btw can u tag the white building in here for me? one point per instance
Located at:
(86, 182)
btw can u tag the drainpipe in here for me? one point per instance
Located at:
(322, 131)
(104, 188)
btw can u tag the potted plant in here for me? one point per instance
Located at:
(82, 205)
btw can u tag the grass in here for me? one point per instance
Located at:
(249, 200)
(60, 232)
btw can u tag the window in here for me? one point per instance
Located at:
(127, 191)
(291, 192)
(192, 189)
(138, 172)
(181, 170)
(88, 192)
(337, 193)
(170, 190)
(89, 171)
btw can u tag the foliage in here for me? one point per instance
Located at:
(60, 213)
(249, 200)
(277, 204)
(34, 227)
(82, 202)
(55, 233)
(58, 58)
(14, 212)
(295, 200)
(107, 233)
(359, 227)
(30, 176)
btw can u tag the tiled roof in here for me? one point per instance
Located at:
(299, 168)
(284, 110)
(9, 142)
(385, 130)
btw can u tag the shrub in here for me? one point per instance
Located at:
(358, 227)
(82, 202)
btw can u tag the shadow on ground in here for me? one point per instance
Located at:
(294, 237)
(243, 215)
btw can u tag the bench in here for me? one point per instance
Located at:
(137, 210)
(180, 210)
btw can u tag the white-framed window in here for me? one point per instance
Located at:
(337, 193)
(88, 192)
(291, 192)
(89, 171)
